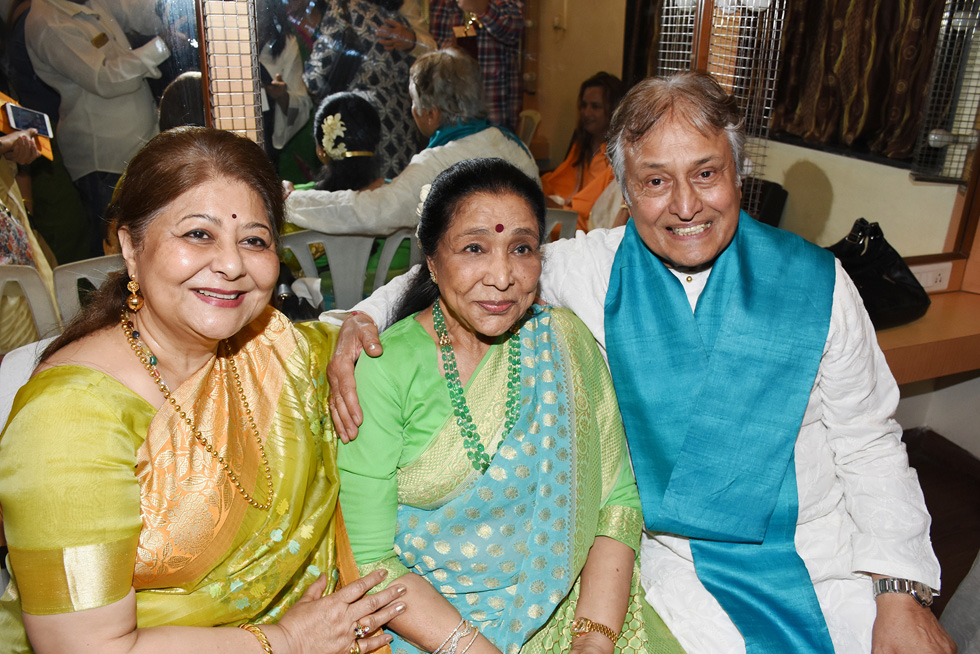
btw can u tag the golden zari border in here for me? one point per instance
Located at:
(74, 578)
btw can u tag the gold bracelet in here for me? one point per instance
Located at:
(258, 633)
(582, 626)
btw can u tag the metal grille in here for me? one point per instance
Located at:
(743, 55)
(233, 66)
(950, 124)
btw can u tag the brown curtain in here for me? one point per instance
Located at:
(857, 71)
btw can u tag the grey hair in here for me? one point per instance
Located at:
(448, 80)
(694, 97)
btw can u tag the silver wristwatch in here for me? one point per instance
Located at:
(922, 593)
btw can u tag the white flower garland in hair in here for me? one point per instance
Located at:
(333, 129)
(423, 194)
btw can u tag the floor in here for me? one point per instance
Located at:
(950, 478)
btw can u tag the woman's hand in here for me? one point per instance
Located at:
(326, 624)
(358, 333)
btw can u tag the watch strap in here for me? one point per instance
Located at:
(582, 626)
(923, 594)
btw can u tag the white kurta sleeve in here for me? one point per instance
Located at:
(881, 492)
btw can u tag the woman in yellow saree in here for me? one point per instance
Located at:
(170, 468)
(490, 474)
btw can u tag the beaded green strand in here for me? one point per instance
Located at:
(475, 451)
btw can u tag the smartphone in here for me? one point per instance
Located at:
(24, 118)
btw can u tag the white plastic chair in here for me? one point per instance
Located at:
(567, 218)
(347, 257)
(15, 370)
(67, 276)
(388, 253)
(25, 281)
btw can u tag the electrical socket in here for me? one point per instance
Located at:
(933, 276)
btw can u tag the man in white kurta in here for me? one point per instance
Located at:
(861, 515)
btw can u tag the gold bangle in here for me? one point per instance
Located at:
(258, 633)
(582, 626)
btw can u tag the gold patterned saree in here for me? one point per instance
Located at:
(101, 493)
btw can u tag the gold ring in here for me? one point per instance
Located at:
(360, 631)
(354, 649)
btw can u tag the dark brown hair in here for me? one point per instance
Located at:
(171, 164)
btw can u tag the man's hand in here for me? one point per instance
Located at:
(358, 333)
(395, 36)
(904, 625)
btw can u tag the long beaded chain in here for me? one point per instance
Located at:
(149, 362)
(475, 451)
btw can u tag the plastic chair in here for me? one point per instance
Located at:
(567, 218)
(528, 125)
(15, 370)
(67, 276)
(25, 281)
(347, 257)
(388, 253)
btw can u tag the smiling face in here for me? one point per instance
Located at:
(684, 193)
(594, 112)
(488, 278)
(207, 264)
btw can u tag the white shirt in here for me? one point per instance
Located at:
(860, 506)
(393, 206)
(107, 110)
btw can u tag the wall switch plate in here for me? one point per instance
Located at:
(933, 276)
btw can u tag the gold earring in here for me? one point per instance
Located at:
(135, 300)
(432, 276)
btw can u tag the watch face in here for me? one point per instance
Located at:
(578, 626)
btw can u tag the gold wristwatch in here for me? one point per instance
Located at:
(582, 626)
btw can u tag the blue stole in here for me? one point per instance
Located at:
(712, 401)
(448, 133)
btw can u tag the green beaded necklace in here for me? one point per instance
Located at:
(475, 451)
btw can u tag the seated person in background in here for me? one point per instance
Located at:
(18, 244)
(447, 104)
(347, 131)
(189, 480)
(445, 504)
(610, 209)
(585, 172)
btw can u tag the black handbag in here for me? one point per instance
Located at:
(891, 293)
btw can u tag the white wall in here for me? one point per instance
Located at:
(591, 42)
(828, 192)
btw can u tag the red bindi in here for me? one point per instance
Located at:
(234, 215)
(500, 228)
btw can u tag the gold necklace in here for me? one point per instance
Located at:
(149, 362)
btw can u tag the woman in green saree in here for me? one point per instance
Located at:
(490, 475)
(169, 470)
